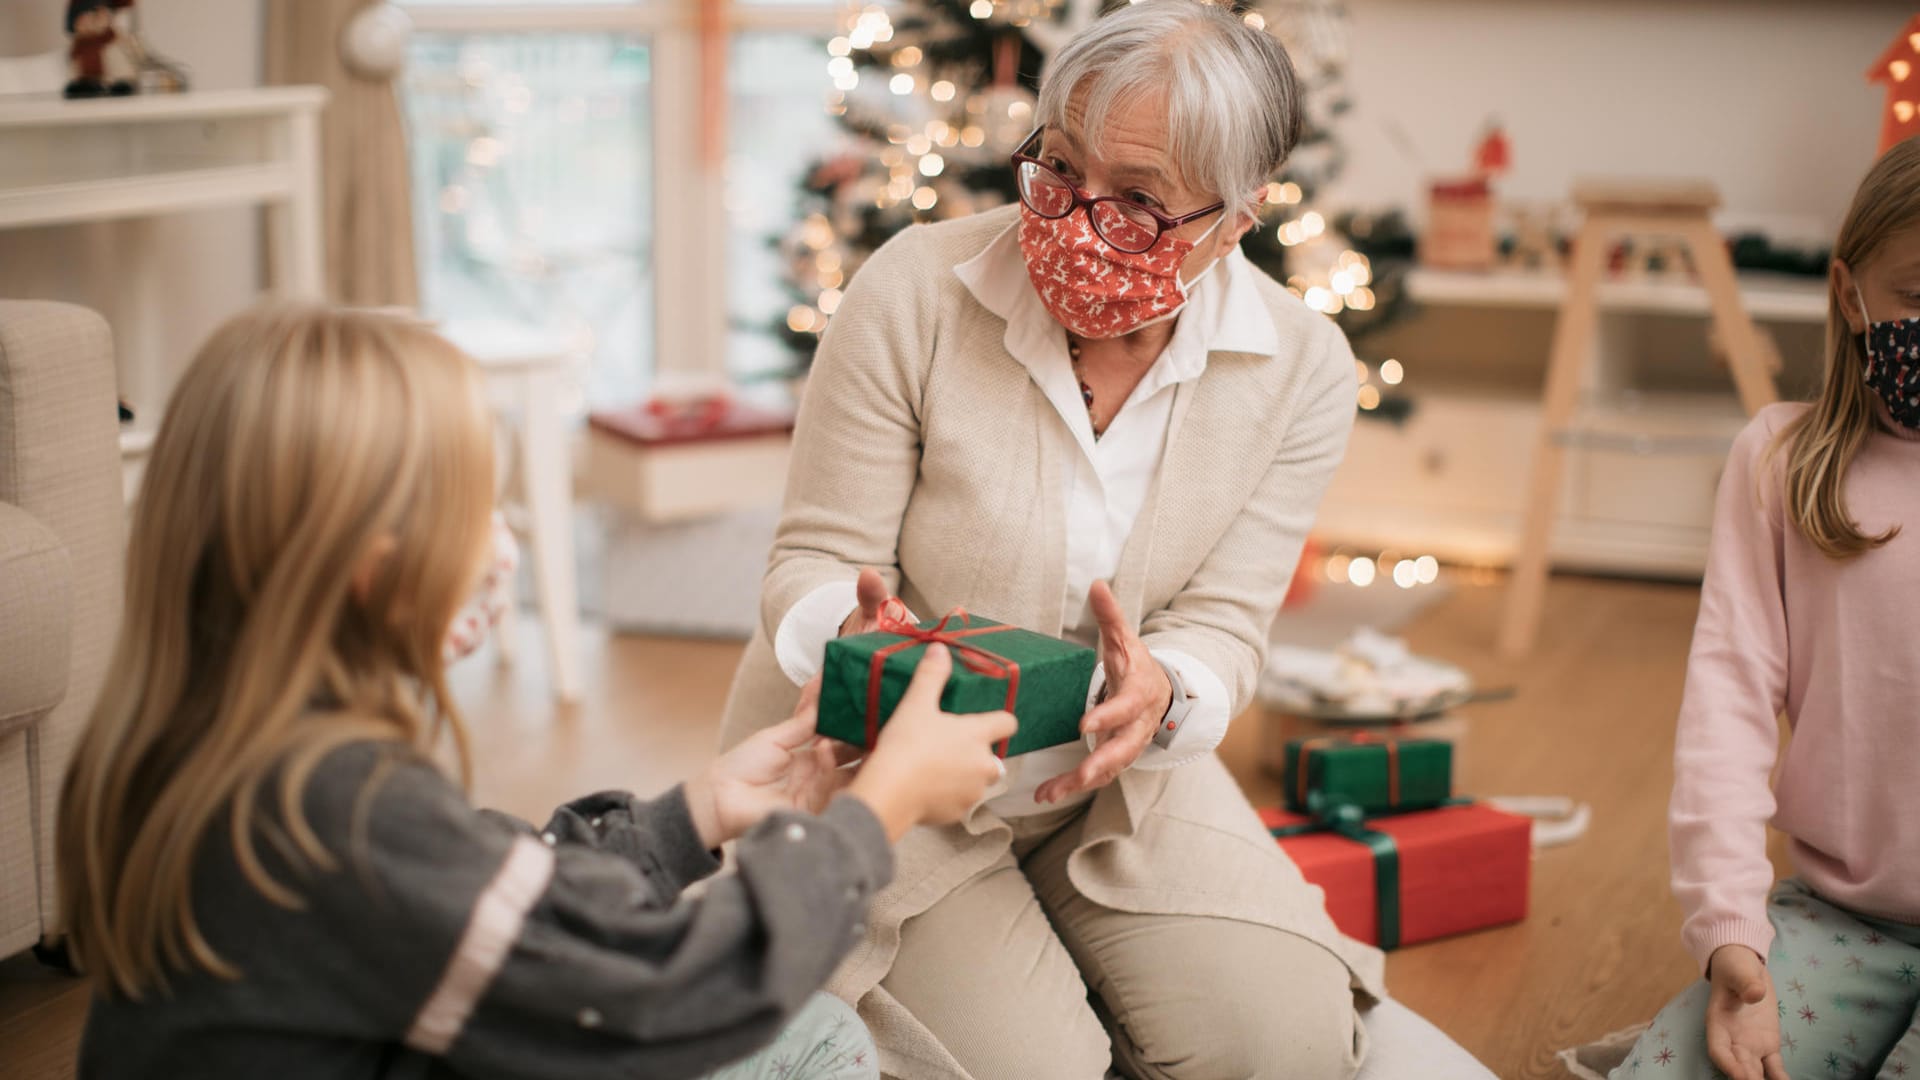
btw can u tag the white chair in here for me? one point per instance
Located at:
(526, 371)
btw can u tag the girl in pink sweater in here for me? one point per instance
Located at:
(1811, 607)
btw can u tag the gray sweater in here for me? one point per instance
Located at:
(455, 942)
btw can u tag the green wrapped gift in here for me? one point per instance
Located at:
(1377, 775)
(1048, 678)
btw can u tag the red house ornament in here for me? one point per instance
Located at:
(1494, 156)
(1899, 69)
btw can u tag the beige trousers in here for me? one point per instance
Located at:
(1023, 978)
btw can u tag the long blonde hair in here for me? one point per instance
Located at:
(1825, 439)
(300, 440)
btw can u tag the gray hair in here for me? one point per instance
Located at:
(1233, 107)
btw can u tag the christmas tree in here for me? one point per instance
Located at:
(939, 93)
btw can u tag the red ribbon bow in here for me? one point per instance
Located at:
(1358, 738)
(894, 620)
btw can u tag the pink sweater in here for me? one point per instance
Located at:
(1836, 645)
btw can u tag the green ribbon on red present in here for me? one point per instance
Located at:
(1346, 819)
(893, 619)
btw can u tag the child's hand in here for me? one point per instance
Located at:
(784, 767)
(492, 596)
(931, 767)
(1743, 1021)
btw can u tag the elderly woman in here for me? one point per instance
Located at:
(1009, 412)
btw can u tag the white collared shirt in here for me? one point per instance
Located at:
(1104, 486)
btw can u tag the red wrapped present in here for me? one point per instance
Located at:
(673, 423)
(1404, 878)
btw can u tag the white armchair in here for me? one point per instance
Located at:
(61, 554)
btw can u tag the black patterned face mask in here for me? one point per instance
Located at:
(1893, 365)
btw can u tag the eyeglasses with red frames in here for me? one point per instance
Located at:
(1128, 226)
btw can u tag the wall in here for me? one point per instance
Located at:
(1765, 97)
(215, 254)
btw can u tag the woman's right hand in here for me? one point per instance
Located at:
(872, 593)
(1743, 1023)
(931, 767)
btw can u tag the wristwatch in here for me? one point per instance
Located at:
(1177, 710)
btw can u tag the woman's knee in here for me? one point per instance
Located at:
(1276, 1008)
(1244, 1036)
(1006, 1030)
(983, 972)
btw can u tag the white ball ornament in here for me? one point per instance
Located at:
(373, 44)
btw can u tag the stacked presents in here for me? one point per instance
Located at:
(1375, 824)
(1372, 821)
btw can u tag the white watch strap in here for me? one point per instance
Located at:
(1177, 711)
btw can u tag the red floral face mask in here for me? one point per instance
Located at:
(1094, 289)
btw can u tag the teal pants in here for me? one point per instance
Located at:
(1847, 985)
(825, 1040)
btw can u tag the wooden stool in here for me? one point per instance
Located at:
(524, 370)
(1681, 210)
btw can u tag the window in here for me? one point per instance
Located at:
(559, 181)
(779, 130)
(533, 188)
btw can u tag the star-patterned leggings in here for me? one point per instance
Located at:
(1848, 986)
(825, 1040)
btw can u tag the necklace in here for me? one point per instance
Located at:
(1086, 392)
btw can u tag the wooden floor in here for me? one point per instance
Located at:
(1593, 719)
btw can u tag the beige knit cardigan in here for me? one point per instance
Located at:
(925, 450)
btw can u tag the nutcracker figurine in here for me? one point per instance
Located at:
(99, 57)
(110, 56)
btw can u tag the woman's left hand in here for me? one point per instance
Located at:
(1137, 696)
(784, 767)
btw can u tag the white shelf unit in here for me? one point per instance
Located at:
(1642, 470)
(1768, 297)
(67, 162)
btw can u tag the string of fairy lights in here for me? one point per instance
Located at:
(1406, 571)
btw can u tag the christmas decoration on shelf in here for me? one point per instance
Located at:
(1758, 251)
(101, 61)
(109, 55)
(1535, 245)
(1460, 209)
(1494, 156)
(939, 93)
(1538, 243)
(1896, 68)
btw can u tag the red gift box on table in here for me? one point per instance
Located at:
(1458, 868)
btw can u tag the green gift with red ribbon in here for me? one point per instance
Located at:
(1378, 775)
(1042, 680)
(1397, 879)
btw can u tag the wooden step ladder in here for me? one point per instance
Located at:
(1680, 210)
